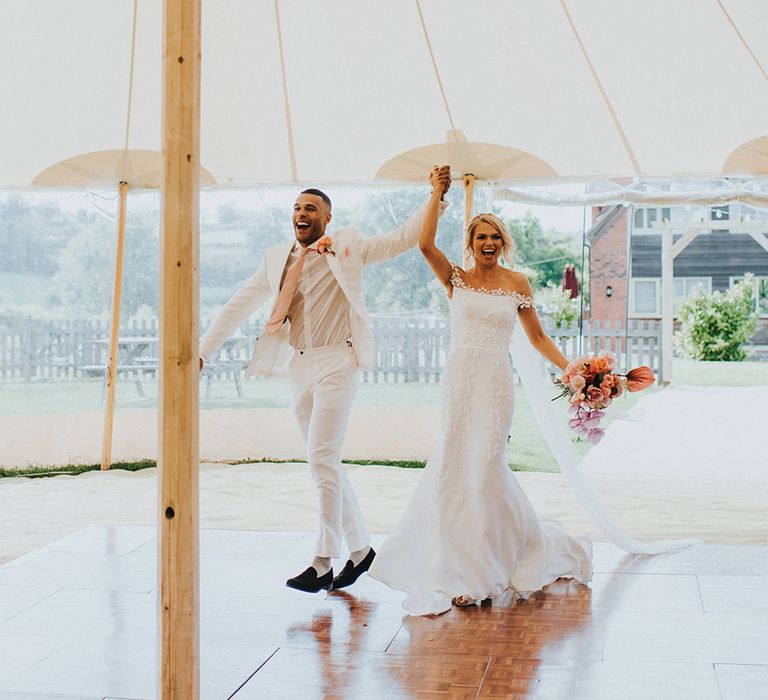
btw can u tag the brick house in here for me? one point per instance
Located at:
(625, 260)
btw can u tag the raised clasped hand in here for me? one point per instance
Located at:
(440, 178)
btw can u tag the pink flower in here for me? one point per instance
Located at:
(594, 394)
(595, 435)
(610, 387)
(577, 383)
(591, 385)
(592, 421)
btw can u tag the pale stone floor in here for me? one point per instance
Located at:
(78, 621)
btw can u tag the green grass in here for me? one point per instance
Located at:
(526, 450)
(64, 396)
(76, 469)
(57, 396)
(700, 373)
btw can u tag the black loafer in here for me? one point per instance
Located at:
(310, 582)
(350, 573)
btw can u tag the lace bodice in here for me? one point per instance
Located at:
(483, 318)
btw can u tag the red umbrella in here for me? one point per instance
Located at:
(570, 281)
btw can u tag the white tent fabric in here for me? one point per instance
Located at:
(753, 192)
(593, 89)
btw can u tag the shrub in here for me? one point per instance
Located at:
(556, 303)
(716, 326)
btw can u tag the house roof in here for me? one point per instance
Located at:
(604, 221)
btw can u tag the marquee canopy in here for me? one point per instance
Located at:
(306, 91)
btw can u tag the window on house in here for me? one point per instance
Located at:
(645, 298)
(645, 217)
(749, 214)
(684, 287)
(743, 212)
(646, 294)
(759, 293)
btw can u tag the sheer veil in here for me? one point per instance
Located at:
(539, 389)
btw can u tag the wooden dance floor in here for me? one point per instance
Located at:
(77, 621)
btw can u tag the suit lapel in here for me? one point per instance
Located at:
(333, 263)
(277, 272)
(336, 270)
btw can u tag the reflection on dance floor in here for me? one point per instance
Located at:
(77, 619)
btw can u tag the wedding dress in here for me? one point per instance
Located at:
(469, 528)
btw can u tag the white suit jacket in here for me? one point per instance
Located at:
(271, 352)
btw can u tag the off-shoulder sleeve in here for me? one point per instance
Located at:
(455, 278)
(524, 301)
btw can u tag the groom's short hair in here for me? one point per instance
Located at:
(319, 193)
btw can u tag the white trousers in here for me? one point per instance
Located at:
(323, 385)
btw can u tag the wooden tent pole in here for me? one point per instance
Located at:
(117, 294)
(667, 306)
(178, 405)
(469, 198)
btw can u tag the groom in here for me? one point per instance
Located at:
(319, 330)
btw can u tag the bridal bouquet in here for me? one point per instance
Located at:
(592, 385)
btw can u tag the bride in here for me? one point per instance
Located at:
(469, 532)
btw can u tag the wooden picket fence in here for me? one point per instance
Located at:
(415, 349)
(408, 348)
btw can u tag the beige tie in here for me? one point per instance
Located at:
(285, 296)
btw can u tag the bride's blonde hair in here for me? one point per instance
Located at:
(507, 243)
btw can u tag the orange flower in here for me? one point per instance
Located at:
(324, 245)
(617, 389)
(640, 378)
(601, 364)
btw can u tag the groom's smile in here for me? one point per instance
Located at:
(310, 217)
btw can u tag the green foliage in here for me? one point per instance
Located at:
(405, 283)
(547, 252)
(556, 303)
(716, 326)
(232, 248)
(25, 233)
(84, 282)
(56, 263)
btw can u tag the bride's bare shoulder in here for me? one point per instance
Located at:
(518, 282)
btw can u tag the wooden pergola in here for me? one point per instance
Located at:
(670, 249)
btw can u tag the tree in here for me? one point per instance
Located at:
(405, 283)
(545, 252)
(85, 279)
(266, 228)
(25, 231)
